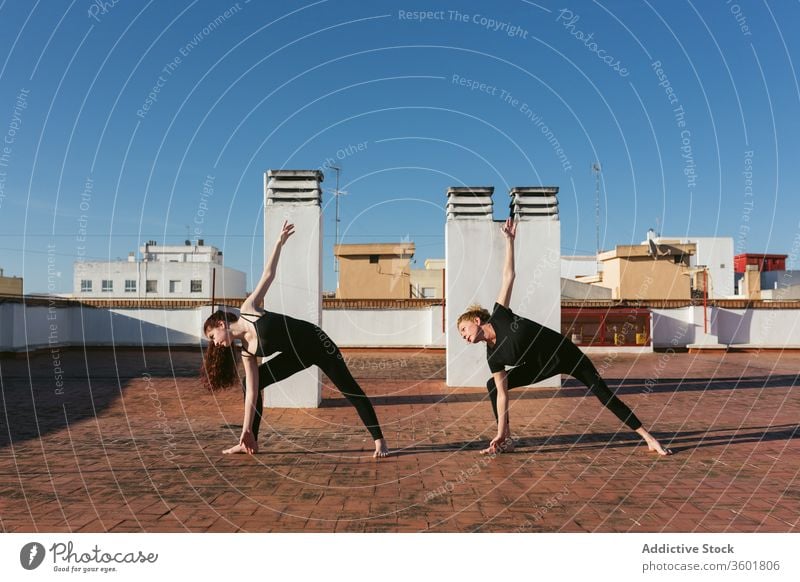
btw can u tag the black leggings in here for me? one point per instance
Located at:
(568, 360)
(330, 360)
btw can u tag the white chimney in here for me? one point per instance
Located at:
(295, 195)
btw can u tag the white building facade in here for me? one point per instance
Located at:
(716, 255)
(574, 267)
(191, 271)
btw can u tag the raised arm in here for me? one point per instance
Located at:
(509, 229)
(256, 298)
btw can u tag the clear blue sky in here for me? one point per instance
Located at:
(291, 84)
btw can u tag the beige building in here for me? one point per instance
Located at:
(374, 271)
(751, 285)
(428, 283)
(633, 272)
(10, 285)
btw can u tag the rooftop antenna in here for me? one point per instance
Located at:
(596, 171)
(337, 193)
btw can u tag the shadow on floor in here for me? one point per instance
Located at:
(564, 443)
(573, 388)
(45, 393)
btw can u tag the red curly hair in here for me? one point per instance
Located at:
(220, 362)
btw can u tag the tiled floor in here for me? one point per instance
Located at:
(132, 443)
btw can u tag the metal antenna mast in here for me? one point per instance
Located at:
(337, 193)
(596, 171)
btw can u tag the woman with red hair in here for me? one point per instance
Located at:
(262, 333)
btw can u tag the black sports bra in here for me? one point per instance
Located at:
(276, 332)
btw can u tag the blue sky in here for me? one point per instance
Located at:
(515, 93)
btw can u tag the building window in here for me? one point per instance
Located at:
(130, 285)
(86, 285)
(175, 286)
(373, 259)
(151, 286)
(197, 286)
(107, 286)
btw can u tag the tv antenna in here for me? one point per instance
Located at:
(596, 171)
(337, 193)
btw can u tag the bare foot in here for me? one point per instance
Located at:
(507, 446)
(238, 449)
(381, 449)
(652, 444)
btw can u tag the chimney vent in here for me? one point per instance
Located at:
(293, 186)
(470, 203)
(534, 202)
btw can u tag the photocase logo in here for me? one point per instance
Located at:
(31, 556)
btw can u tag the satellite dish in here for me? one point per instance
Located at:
(655, 251)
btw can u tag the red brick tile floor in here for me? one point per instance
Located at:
(133, 443)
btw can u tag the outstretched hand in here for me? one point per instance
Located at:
(502, 443)
(286, 231)
(247, 444)
(509, 229)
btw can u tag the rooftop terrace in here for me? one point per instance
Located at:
(128, 441)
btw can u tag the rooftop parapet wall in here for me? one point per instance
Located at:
(26, 326)
(40, 300)
(68, 325)
(381, 249)
(644, 252)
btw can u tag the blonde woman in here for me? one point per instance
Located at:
(534, 353)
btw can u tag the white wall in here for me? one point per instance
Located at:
(35, 327)
(76, 326)
(296, 291)
(571, 289)
(780, 285)
(7, 325)
(576, 266)
(30, 327)
(229, 283)
(678, 328)
(717, 254)
(23, 328)
(386, 327)
(761, 327)
(474, 267)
